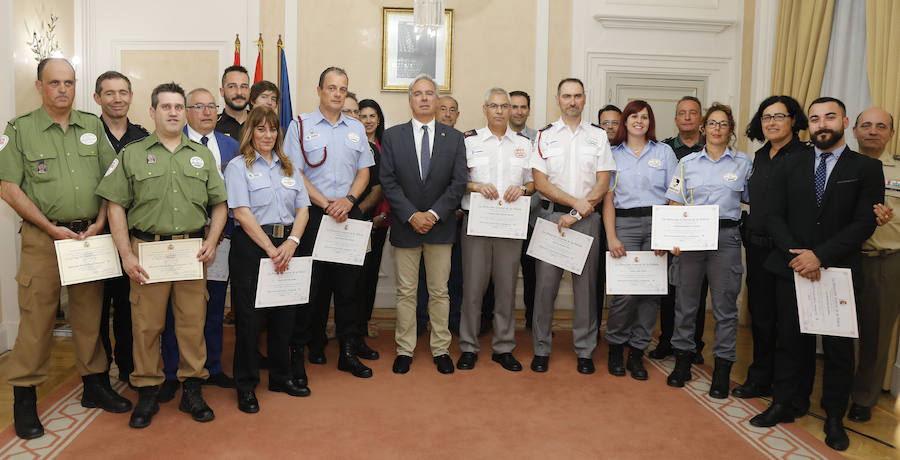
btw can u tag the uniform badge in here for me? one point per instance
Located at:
(112, 167)
(4, 139)
(151, 158)
(41, 167)
(312, 135)
(593, 141)
(520, 152)
(88, 138)
(655, 162)
(288, 181)
(675, 185)
(353, 137)
(197, 162)
(730, 177)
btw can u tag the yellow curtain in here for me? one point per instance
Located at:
(882, 45)
(801, 48)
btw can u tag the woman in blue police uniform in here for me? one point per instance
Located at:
(716, 175)
(643, 168)
(270, 204)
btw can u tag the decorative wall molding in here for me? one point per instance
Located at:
(713, 26)
(541, 63)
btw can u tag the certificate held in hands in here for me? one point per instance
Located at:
(288, 288)
(688, 228)
(344, 243)
(498, 218)
(827, 306)
(91, 259)
(174, 260)
(637, 273)
(567, 250)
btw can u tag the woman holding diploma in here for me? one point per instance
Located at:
(270, 204)
(643, 167)
(716, 175)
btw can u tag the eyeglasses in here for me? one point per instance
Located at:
(775, 116)
(497, 106)
(350, 111)
(714, 124)
(609, 123)
(201, 107)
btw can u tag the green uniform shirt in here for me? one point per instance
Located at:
(57, 170)
(165, 193)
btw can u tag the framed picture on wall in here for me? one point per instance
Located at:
(408, 50)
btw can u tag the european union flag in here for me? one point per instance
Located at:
(285, 112)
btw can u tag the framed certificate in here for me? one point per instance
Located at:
(408, 50)
(498, 218)
(288, 288)
(827, 306)
(637, 273)
(345, 242)
(91, 259)
(567, 250)
(688, 228)
(174, 260)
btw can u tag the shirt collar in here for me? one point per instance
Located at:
(679, 143)
(728, 152)
(195, 136)
(317, 117)
(485, 133)
(275, 159)
(560, 125)
(417, 125)
(836, 153)
(185, 142)
(44, 120)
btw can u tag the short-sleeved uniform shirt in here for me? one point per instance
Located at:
(887, 237)
(503, 161)
(347, 151)
(571, 160)
(640, 181)
(57, 170)
(271, 196)
(698, 180)
(165, 193)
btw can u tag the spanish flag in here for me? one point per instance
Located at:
(258, 73)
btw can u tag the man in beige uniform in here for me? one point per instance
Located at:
(165, 181)
(50, 162)
(880, 303)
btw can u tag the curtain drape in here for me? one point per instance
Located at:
(883, 56)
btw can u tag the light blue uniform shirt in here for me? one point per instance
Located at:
(829, 162)
(698, 180)
(272, 197)
(641, 181)
(348, 151)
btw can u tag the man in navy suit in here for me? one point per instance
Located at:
(821, 203)
(201, 121)
(423, 175)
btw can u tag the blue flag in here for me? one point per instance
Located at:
(284, 111)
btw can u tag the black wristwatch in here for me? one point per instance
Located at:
(351, 198)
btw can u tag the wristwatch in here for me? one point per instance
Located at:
(575, 214)
(294, 239)
(523, 189)
(351, 198)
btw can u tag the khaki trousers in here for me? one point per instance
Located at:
(437, 272)
(877, 313)
(39, 289)
(148, 319)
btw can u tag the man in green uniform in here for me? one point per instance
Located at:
(165, 181)
(50, 163)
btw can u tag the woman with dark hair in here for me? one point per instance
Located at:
(643, 169)
(716, 175)
(374, 206)
(265, 93)
(270, 204)
(777, 122)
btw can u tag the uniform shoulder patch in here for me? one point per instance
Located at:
(546, 127)
(470, 133)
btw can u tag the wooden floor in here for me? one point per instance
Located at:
(883, 425)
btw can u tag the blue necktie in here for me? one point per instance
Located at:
(204, 140)
(821, 177)
(426, 152)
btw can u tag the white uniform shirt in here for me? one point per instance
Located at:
(571, 160)
(503, 161)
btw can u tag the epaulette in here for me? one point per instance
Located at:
(470, 133)
(526, 137)
(86, 113)
(546, 127)
(596, 125)
(132, 142)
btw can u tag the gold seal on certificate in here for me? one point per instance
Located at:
(637, 273)
(174, 260)
(688, 228)
(827, 306)
(567, 250)
(91, 259)
(343, 243)
(288, 288)
(498, 218)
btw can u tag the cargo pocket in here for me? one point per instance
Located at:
(26, 302)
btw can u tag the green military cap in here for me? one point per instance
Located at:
(165, 192)
(57, 170)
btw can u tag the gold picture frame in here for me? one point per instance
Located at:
(432, 56)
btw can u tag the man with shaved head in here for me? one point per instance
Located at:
(880, 303)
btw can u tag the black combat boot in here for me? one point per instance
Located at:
(192, 401)
(721, 379)
(99, 393)
(146, 408)
(28, 425)
(635, 364)
(348, 362)
(615, 363)
(682, 371)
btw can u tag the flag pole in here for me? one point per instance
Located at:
(278, 59)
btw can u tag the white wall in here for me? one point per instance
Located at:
(9, 306)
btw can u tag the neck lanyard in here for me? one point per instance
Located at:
(303, 150)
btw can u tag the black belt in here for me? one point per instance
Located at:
(147, 236)
(879, 252)
(762, 241)
(277, 230)
(635, 212)
(555, 207)
(77, 226)
(727, 223)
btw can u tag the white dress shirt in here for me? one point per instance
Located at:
(501, 161)
(417, 138)
(211, 144)
(570, 159)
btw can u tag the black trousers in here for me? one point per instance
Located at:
(763, 314)
(795, 357)
(243, 264)
(371, 267)
(330, 279)
(529, 278)
(667, 315)
(115, 296)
